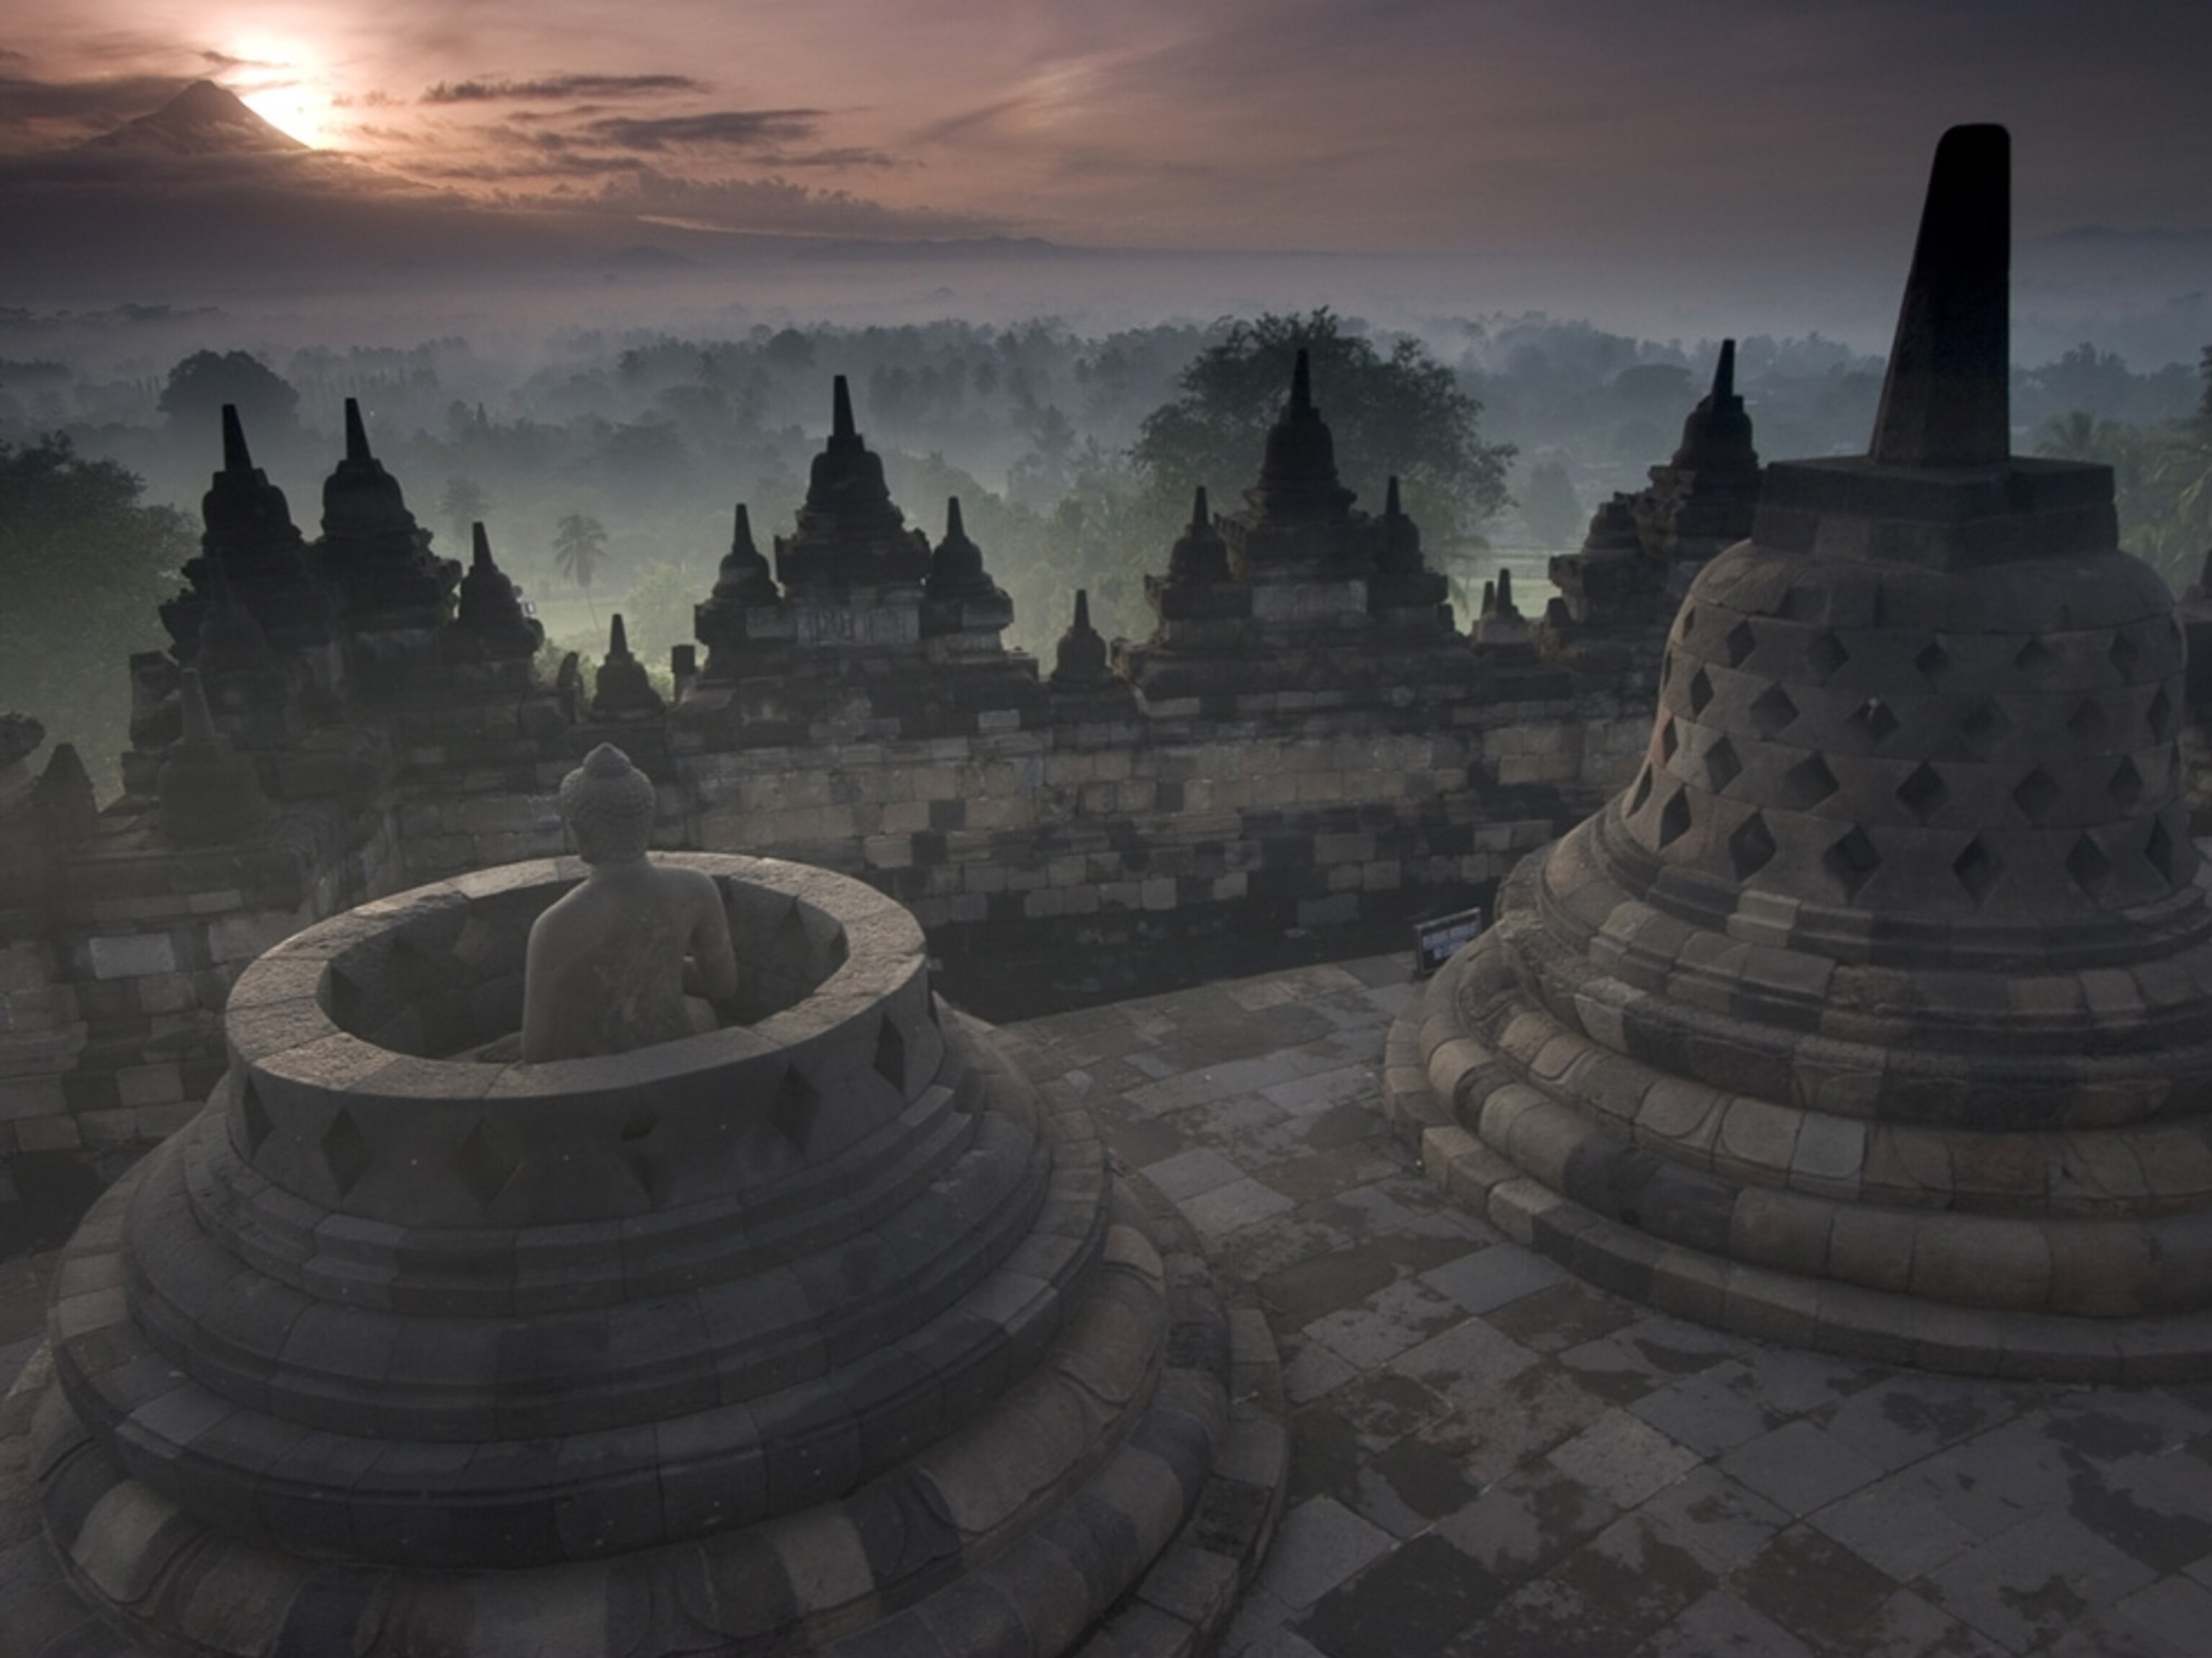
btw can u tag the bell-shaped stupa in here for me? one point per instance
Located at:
(1876, 1013)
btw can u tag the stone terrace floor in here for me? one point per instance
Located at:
(1490, 1459)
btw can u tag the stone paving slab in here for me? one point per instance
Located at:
(1492, 1458)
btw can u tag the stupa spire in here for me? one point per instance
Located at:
(1301, 385)
(480, 547)
(236, 457)
(357, 435)
(1945, 400)
(840, 409)
(1724, 373)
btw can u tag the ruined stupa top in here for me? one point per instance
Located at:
(1717, 434)
(360, 497)
(246, 516)
(957, 566)
(1201, 556)
(850, 531)
(490, 616)
(1298, 474)
(743, 577)
(1080, 662)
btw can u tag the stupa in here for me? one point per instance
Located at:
(1875, 1013)
(828, 1330)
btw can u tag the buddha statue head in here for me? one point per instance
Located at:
(608, 805)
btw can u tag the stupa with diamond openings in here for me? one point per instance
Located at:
(1875, 1013)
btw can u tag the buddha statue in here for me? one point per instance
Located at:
(637, 954)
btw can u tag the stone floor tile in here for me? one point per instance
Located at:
(1897, 1528)
(1548, 1619)
(1991, 1483)
(1311, 1371)
(1464, 1361)
(1626, 1459)
(1711, 1411)
(1720, 1521)
(1224, 1208)
(1911, 1414)
(2028, 1584)
(1722, 1626)
(1565, 1315)
(1317, 1545)
(1798, 1467)
(1808, 1582)
(1316, 1091)
(1908, 1626)
(1416, 1599)
(2174, 1610)
(1522, 1525)
(1401, 1316)
(1258, 1628)
(1189, 1173)
(1513, 1425)
(1332, 1278)
(1483, 1280)
(1311, 1174)
(1642, 1576)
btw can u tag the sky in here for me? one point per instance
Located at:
(1605, 132)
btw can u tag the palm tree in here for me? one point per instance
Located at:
(579, 550)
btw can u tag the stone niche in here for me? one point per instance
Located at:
(827, 1331)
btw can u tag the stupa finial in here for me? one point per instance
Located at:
(1724, 373)
(357, 435)
(840, 409)
(953, 530)
(479, 546)
(1301, 385)
(1200, 515)
(1945, 400)
(236, 457)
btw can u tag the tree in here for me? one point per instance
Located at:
(461, 504)
(200, 385)
(579, 552)
(83, 564)
(1548, 506)
(1402, 413)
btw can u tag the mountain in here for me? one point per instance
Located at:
(203, 120)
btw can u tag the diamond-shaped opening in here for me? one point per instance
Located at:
(787, 945)
(254, 1116)
(797, 1102)
(1976, 869)
(1826, 654)
(1669, 739)
(1806, 783)
(2087, 723)
(2125, 655)
(1981, 722)
(346, 1151)
(1851, 860)
(1751, 847)
(1722, 765)
(2037, 660)
(1874, 717)
(1701, 691)
(484, 1165)
(2159, 849)
(640, 1123)
(1772, 711)
(891, 1053)
(1674, 818)
(1924, 793)
(1934, 662)
(2038, 793)
(1740, 643)
(1642, 792)
(2126, 786)
(2089, 865)
(1689, 619)
(2161, 714)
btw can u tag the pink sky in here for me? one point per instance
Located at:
(1575, 127)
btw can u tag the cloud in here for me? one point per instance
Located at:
(500, 89)
(100, 103)
(741, 129)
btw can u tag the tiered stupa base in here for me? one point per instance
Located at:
(835, 1332)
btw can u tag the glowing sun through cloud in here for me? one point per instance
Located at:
(298, 112)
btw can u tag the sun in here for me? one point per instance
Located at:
(298, 112)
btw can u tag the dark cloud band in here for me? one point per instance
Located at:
(499, 89)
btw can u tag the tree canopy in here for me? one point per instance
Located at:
(84, 563)
(1398, 412)
(199, 385)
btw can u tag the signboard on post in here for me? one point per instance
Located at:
(1437, 941)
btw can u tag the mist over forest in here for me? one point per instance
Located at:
(605, 458)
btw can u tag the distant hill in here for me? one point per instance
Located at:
(203, 120)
